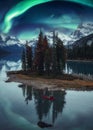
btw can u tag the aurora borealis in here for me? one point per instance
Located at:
(84, 2)
(17, 10)
(25, 16)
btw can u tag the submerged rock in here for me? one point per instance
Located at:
(43, 124)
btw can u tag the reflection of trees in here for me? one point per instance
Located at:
(27, 92)
(58, 104)
(43, 105)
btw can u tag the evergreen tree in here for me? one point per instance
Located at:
(54, 58)
(47, 60)
(40, 38)
(39, 54)
(23, 60)
(28, 57)
(84, 51)
(47, 55)
(61, 55)
(58, 55)
(45, 43)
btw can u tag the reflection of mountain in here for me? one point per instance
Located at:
(44, 106)
(9, 63)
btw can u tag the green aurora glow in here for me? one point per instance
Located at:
(84, 2)
(28, 35)
(24, 5)
(18, 10)
(64, 21)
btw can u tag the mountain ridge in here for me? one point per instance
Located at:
(12, 44)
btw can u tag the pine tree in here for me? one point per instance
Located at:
(23, 61)
(54, 58)
(39, 54)
(45, 43)
(47, 55)
(28, 57)
(61, 55)
(47, 60)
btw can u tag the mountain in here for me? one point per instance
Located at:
(10, 44)
(14, 45)
(88, 40)
(84, 29)
(8, 40)
(64, 37)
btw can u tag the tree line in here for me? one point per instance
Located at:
(46, 58)
(81, 52)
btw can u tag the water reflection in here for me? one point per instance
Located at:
(80, 67)
(27, 92)
(44, 106)
(23, 108)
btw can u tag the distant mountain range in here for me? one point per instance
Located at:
(83, 30)
(14, 45)
(84, 40)
(10, 44)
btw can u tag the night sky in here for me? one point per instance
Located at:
(24, 18)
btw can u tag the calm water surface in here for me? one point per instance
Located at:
(22, 107)
(85, 68)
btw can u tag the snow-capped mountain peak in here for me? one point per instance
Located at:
(84, 29)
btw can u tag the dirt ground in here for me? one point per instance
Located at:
(51, 84)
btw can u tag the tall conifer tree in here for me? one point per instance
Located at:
(23, 60)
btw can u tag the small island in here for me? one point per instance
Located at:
(43, 67)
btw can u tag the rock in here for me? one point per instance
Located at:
(43, 124)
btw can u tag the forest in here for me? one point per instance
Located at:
(45, 58)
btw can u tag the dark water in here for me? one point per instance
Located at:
(80, 67)
(22, 107)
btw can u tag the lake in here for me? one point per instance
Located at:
(22, 107)
(77, 67)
